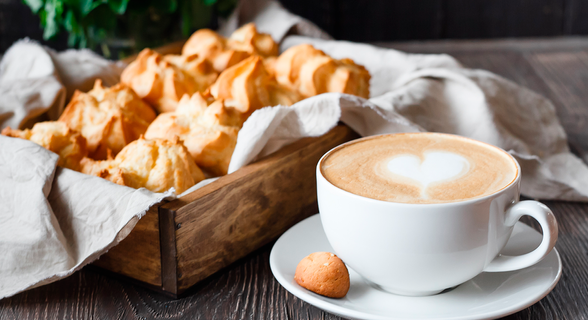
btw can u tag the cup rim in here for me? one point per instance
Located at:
(514, 181)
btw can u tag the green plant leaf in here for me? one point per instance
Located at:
(172, 6)
(164, 6)
(51, 28)
(43, 17)
(96, 4)
(71, 23)
(118, 6)
(197, 16)
(80, 7)
(72, 40)
(142, 22)
(186, 12)
(54, 10)
(101, 17)
(224, 8)
(83, 41)
(35, 5)
(86, 6)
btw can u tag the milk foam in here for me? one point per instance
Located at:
(419, 168)
(437, 166)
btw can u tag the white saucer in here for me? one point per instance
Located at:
(487, 296)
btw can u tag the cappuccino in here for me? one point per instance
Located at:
(419, 168)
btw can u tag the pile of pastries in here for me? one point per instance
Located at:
(174, 119)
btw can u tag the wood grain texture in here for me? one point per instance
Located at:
(484, 46)
(565, 75)
(138, 255)
(169, 264)
(247, 290)
(238, 213)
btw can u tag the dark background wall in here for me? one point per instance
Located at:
(387, 20)
(17, 21)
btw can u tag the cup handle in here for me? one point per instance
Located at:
(546, 219)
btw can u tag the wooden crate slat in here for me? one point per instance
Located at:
(139, 255)
(241, 212)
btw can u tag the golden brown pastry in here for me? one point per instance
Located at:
(208, 128)
(211, 46)
(195, 66)
(248, 39)
(224, 53)
(153, 164)
(310, 71)
(323, 273)
(109, 118)
(57, 137)
(163, 80)
(247, 86)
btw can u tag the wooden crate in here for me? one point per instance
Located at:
(179, 243)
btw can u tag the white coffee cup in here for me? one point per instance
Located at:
(423, 249)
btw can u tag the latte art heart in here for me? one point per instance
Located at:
(437, 166)
(419, 168)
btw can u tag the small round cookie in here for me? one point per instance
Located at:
(323, 273)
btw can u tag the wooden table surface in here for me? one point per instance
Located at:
(556, 68)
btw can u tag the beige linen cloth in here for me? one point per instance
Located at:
(53, 221)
